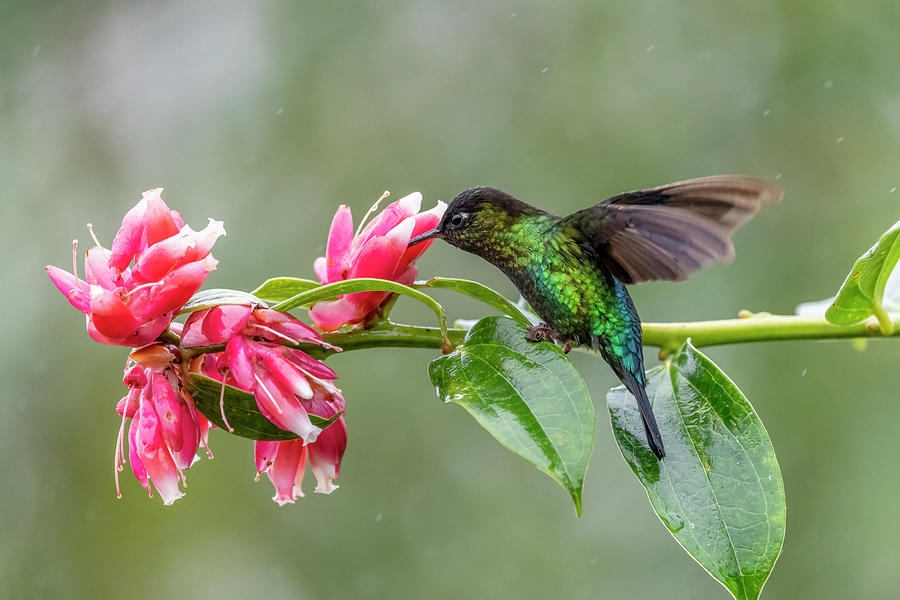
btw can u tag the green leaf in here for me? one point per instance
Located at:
(279, 289)
(478, 291)
(241, 411)
(365, 284)
(862, 293)
(719, 489)
(209, 298)
(527, 395)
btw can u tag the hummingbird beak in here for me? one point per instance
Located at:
(428, 235)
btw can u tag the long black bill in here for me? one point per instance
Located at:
(428, 235)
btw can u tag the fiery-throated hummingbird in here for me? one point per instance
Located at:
(572, 270)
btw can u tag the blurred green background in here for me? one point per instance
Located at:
(268, 115)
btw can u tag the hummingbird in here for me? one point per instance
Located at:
(572, 270)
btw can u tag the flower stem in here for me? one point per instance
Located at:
(668, 337)
(385, 335)
(760, 327)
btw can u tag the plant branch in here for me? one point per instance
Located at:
(668, 337)
(760, 327)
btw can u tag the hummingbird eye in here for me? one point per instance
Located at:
(457, 220)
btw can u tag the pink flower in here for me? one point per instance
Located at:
(379, 250)
(166, 430)
(287, 383)
(285, 462)
(132, 305)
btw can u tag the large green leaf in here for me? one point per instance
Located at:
(241, 411)
(719, 489)
(527, 395)
(279, 289)
(862, 293)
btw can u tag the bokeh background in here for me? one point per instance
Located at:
(268, 115)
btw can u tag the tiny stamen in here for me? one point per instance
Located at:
(120, 451)
(373, 208)
(90, 227)
(75, 259)
(222, 408)
(278, 334)
(268, 393)
(140, 287)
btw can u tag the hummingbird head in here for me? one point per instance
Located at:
(477, 219)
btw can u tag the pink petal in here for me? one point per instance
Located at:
(130, 403)
(380, 255)
(77, 292)
(424, 222)
(284, 324)
(325, 455)
(168, 412)
(225, 321)
(320, 269)
(410, 204)
(340, 238)
(185, 247)
(314, 367)
(287, 471)
(190, 434)
(160, 258)
(97, 270)
(333, 314)
(159, 222)
(111, 316)
(286, 412)
(192, 333)
(380, 224)
(128, 239)
(155, 457)
(175, 289)
(238, 359)
(137, 467)
(264, 454)
(393, 214)
(134, 376)
(205, 239)
(287, 374)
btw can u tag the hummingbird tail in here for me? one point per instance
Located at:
(654, 440)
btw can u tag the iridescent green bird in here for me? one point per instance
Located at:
(572, 270)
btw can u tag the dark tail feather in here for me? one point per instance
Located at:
(654, 440)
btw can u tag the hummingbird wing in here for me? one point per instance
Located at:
(668, 232)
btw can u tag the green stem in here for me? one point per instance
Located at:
(761, 327)
(386, 335)
(884, 320)
(668, 337)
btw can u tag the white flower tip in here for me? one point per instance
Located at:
(152, 194)
(282, 501)
(328, 486)
(411, 203)
(216, 227)
(169, 499)
(311, 435)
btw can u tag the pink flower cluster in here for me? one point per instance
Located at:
(132, 292)
(379, 250)
(287, 383)
(132, 305)
(166, 430)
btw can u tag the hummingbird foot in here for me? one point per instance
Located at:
(542, 331)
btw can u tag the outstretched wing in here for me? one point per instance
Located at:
(670, 231)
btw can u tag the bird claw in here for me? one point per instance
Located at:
(542, 331)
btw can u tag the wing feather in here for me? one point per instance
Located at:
(668, 232)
